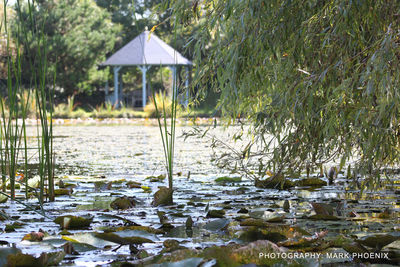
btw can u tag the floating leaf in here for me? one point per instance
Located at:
(73, 222)
(217, 225)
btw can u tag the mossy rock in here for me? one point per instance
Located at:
(163, 197)
(73, 222)
(276, 182)
(189, 223)
(316, 182)
(123, 203)
(216, 214)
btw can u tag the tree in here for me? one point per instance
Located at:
(78, 36)
(7, 44)
(318, 79)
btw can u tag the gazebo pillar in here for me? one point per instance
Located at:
(187, 87)
(174, 90)
(144, 69)
(116, 87)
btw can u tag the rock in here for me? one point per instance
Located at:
(254, 222)
(216, 214)
(73, 222)
(171, 245)
(123, 203)
(23, 260)
(163, 197)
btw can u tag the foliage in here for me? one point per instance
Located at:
(162, 102)
(78, 33)
(5, 40)
(318, 80)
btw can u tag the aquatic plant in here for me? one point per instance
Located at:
(18, 104)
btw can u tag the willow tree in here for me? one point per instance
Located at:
(319, 80)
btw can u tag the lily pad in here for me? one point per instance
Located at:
(128, 237)
(123, 203)
(217, 225)
(191, 262)
(377, 241)
(163, 197)
(73, 222)
(224, 180)
(316, 182)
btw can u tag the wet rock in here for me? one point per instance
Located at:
(253, 234)
(216, 214)
(147, 229)
(123, 203)
(73, 222)
(163, 197)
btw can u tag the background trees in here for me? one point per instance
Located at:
(78, 36)
(318, 79)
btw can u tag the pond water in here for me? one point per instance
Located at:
(89, 157)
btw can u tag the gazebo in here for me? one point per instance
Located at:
(144, 51)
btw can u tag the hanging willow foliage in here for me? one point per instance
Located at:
(318, 79)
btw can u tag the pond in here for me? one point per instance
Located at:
(100, 162)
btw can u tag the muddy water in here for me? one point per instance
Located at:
(89, 154)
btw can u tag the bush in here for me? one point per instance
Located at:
(163, 103)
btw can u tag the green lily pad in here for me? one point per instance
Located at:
(191, 262)
(217, 225)
(128, 237)
(224, 180)
(73, 222)
(377, 241)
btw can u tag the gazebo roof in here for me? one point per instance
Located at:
(146, 49)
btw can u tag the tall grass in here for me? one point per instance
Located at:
(17, 104)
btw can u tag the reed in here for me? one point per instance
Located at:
(17, 105)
